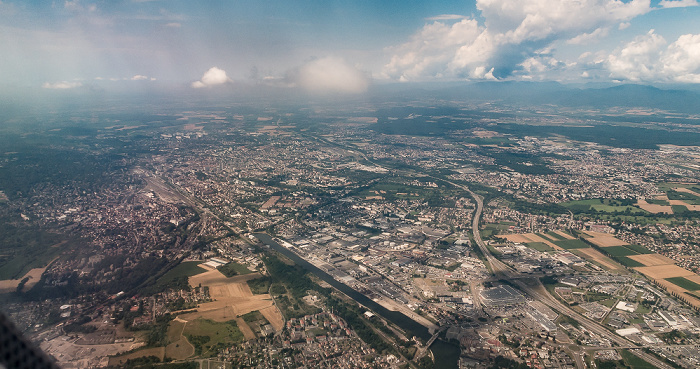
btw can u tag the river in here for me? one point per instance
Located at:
(446, 355)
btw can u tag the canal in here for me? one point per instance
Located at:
(446, 355)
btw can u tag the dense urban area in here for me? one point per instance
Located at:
(395, 235)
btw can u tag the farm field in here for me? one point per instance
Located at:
(597, 257)
(654, 208)
(527, 238)
(652, 259)
(639, 249)
(619, 251)
(183, 270)
(604, 239)
(232, 296)
(539, 246)
(684, 283)
(626, 261)
(571, 244)
(34, 275)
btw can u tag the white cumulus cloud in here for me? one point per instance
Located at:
(636, 60)
(648, 59)
(446, 17)
(678, 3)
(329, 74)
(511, 33)
(213, 77)
(586, 38)
(63, 85)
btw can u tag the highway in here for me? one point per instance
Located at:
(535, 290)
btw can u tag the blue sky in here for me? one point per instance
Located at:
(344, 45)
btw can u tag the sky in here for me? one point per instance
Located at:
(339, 46)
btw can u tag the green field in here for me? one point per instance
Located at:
(658, 202)
(684, 196)
(234, 268)
(603, 206)
(619, 251)
(679, 209)
(627, 262)
(571, 244)
(634, 361)
(208, 336)
(539, 246)
(174, 277)
(23, 247)
(253, 316)
(684, 283)
(618, 209)
(494, 228)
(555, 237)
(639, 249)
(259, 286)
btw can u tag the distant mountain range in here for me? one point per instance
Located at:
(539, 93)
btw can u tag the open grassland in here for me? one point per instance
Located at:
(182, 271)
(178, 348)
(234, 268)
(33, 276)
(117, 361)
(207, 336)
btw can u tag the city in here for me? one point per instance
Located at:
(474, 246)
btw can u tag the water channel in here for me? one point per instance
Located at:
(446, 355)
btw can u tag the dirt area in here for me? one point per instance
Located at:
(664, 271)
(245, 329)
(528, 237)
(694, 278)
(535, 238)
(394, 306)
(654, 208)
(652, 259)
(158, 352)
(516, 238)
(683, 203)
(597, 257)
(232, 298)
(34, 275)
(668, 286)
(686, 190)
(90, 356)
(274, 317)
(604, 239)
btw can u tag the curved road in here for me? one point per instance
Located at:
(537, 291)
